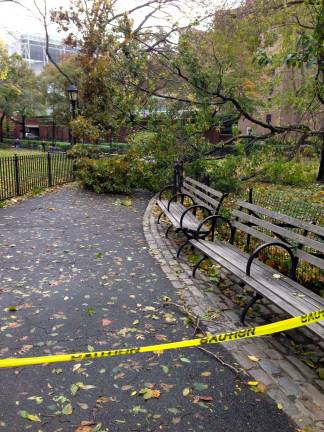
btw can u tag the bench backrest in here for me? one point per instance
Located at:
(267, 226)
(202, 194)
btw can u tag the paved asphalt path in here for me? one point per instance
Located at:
(76, 275)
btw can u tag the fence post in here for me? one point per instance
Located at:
(248, 237)
(175, 178)
(17, 175)
(180, 178)
(49, 169)
(74, 170)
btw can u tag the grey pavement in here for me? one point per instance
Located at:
(77, 275)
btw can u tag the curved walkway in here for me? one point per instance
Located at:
(77, 275)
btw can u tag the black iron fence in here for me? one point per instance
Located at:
(25, 173)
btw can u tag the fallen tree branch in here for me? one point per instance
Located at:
(233, 368)
(195, 320)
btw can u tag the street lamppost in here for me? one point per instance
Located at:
(73, 97)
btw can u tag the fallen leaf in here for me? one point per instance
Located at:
(320, 372)
(200, 386)
(138, 409)
(185, 360)
(165, 368)
(252, 383)
(148, 393)
(67, 409)
(253, 358)
(280, 405)
(205, 398)
(186, 391)
(105, 322)
(37, 399)
(85, 426)
(102, 400)
(176, 420)
(30, 417)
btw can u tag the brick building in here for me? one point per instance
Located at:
(42, 128)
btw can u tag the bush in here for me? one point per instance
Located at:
(82, 151)
(64, 146)
(290, 173)
(116, 174)
(223, 176)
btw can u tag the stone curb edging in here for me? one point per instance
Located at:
(287, 379)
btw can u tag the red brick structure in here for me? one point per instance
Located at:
(43, 128)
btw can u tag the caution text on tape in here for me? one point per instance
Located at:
(244, 333)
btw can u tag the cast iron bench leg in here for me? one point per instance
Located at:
(197, 265)
(254, 299)
(182, 246)
(168, 230)
(159, 217)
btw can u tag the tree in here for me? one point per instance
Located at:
(27, 103)
(9, 90)
(53, 89)
(231, 66)
(104, 35)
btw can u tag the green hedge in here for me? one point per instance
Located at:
(61, 145)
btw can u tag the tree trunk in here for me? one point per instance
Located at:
(320, 175)
(23, 122)
(1, 126)
(53, 131)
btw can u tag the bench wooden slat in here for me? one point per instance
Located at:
(174, 215)
(281, 295)
(318, 262)
(236, 262)
(233, 253)
(213, 192)
(316, 229)
(210, 205)
(279, 230)
(186, 186)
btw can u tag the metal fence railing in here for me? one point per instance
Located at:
(22, 174)
(278, 201)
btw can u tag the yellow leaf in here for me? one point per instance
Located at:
(31, 417)
(186, 391)
(150, 393)
(253, 358)
(279, 405)
(253, 383)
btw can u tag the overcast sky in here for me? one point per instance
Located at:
(14, 18)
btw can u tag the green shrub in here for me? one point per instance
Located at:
(82, 151)
(290, 173)
(116, 174)
(223, 176)
(64, 146)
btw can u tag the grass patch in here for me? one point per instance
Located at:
(12, 151)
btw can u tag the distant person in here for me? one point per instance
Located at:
(43, 146)
(17, 142)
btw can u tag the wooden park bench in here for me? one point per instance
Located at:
(300, 240)
(201, 198)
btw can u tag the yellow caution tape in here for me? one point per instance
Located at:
(244, 333)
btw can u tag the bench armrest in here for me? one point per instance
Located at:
(294, 259)
(193, 207)
(164, 189)
(214, 219)
(180, 195)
